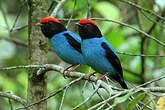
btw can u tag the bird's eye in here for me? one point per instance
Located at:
(89, 26)
(50, 23)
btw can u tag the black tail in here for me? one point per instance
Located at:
(123, 84)
(121, 81)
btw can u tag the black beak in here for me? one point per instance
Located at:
(38, 24)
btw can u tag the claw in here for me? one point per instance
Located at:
(66, 69)
(99, 78)
(92, 74)
(72, 69)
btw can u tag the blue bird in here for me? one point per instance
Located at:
(66, 44)
(98, 53)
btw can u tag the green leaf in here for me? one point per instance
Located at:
(121, 99)
(115, 37)
(107, 10)
(132, 103)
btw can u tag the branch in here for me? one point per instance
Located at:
(10, 103)
(130, 54)
(112, 94)
(62, 101)
(16, 19)
(58, 7)
(52, 94)
(78, 106)
(132, 91)
(22, 43)
(143, 9)
(127, 25)
(73, 12)
(151, 81)
(15, 40)
(49, 67)
(13, 97)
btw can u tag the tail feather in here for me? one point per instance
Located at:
(120, 80)
(123, 85)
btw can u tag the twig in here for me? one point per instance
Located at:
(21, 43)
(89, 10)
(14, 40)
(138, 30)
(78, 106)
(127, 25)
(105, 101)
(130, 54)
(19, 12)
(58, 7)
(18, 28)
(13, 97)
(100, 95)
(151, 81)
(143, 9)
(102, 106)
(152, 20)
(49, 67)
(5, 17)
(52, 94)
(133, 90)
(62, 101)
(71, 14)
(10, 103)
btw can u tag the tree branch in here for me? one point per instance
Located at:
(127, 25)
(143, 9)
(13, 97)
(113, 94)
(52, 94)
(58, 7)
(49, 67)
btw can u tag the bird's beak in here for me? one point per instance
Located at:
(78, 24)
(38, 24)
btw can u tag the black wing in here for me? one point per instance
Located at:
(75, 44)
(112, 58)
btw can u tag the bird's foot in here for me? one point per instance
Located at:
(67, 73)
(92, 74)
(66, 69)
(99, 78)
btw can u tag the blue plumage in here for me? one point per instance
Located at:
(94, 55)
(64, 50)
(66, 44)
(98, 53)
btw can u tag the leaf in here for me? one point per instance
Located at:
(107, 10)
(121, 99)
(132, 103)
(115, 37)
(161, 103)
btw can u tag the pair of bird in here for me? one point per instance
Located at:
(91, 49)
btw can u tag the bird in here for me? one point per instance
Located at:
(66, 44)
(98, 53)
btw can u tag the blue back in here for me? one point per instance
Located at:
(94, 55)
(64, 50)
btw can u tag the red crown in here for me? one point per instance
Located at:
(85, 21)
(44, 20)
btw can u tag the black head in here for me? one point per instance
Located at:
(88, 29)
(50, 26)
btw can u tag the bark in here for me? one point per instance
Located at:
(37, 46)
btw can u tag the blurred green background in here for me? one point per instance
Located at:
(14, 35)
